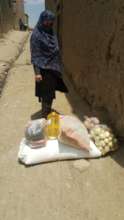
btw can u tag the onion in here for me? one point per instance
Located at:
(107, 134)
(103, 138)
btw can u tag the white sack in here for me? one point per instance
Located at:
(74, 133)
(54, 151)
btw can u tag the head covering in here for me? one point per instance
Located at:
(45, 16)
(44, 45)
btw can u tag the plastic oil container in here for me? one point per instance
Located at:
(53, 126)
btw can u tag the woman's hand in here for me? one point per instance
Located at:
(38, 78)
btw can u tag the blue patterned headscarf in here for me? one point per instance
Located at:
(45, 16)
(44, 45)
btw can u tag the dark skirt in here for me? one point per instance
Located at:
(51, 82)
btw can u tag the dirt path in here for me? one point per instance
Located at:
(53, 191)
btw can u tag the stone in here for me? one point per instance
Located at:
(81, 165)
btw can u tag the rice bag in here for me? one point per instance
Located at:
(74, 133)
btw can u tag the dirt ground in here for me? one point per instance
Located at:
(93, 190)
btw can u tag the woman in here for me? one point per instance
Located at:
(45, 57)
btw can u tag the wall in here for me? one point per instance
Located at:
(6, 16)
(19, 13)
(93, 53)
(26, 19)
(10, 13)
(56, 7)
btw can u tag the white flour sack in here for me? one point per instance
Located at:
(53, 151)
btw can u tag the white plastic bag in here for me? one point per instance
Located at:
(35, 130)
(53, 151)
(35, 133)
(74, 133)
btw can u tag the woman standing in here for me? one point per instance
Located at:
(45, 57)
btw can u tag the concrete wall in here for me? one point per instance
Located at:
(93, 54)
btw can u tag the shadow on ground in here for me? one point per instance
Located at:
(80, 108)
(36, 115)
(118, 156)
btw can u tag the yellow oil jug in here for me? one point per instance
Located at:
(53, 126)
